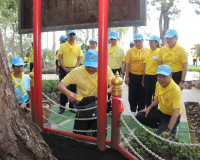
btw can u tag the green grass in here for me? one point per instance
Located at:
(194, 68)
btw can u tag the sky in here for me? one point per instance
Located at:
(187, 25)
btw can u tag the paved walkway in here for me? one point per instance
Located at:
(188, 95)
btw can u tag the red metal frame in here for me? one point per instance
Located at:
(36, 94)
(37, 62)
(102, 73)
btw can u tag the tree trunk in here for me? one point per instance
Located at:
(87, 36)
(19, 138)
(135, 30)
(54, 46)
(93, 33)
(47, 39)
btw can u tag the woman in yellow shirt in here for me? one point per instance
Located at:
(151, 65)
(134, 73)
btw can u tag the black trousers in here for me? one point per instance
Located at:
(176, 76)
(85, 125)
(157, 119)
(72, 87)
(149, 88)
(109, 104)
(136, 92)
(31, 67)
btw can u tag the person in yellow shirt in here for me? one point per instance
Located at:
(168, 96)
(175, 56)
(70, 55)
(131, 44)
(30, 54)
(134, 73)
(194, 59)
(63, 39)
(93, 45)
(116, 59)
(151, 65)
(85, 77)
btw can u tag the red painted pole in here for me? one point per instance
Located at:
(78, 136)
(116, 123)
(37, 61)
(102, 73)
(126, 153)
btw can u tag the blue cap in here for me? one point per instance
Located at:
(63, 38)
(113, 35)
(164, 70)
(91, 58)
(170, 33)
(18, 61)
(138, 37)
(84, 50)
(155, 38)
(71, 31)
(132, 42)
(31, 41)
(57, 50)
(94, 40)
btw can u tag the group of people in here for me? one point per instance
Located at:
(155, 77)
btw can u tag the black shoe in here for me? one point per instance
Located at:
(61, 111)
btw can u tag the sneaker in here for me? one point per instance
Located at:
(61, 111)
(134, 114)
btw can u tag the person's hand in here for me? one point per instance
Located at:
(167, 132)
(67, 70)
(72, 97)
(127, 80)
(70, 69)
(143, 82)
(181, 85)
(146, 110)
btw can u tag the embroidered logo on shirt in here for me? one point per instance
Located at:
(91, 57)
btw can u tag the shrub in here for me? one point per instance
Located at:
(50, 86)
(163, 149)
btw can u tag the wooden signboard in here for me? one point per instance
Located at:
(81, 14)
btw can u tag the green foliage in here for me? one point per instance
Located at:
(84, 46)
(48, 54)
(197, 5)
(163, 149)
(50, 86)
(196, 48)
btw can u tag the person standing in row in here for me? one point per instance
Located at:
(151, 65)
(175, 56)
(134, 74)
(30, 54)
(116, 59)
(69, 58)
(62, 40)
(131, 44)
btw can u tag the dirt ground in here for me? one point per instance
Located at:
(64, 148)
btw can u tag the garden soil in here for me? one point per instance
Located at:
(64, 148)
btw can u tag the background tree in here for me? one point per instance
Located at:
(196, 49)
(168, 10)
(19, 138)
(197, 5)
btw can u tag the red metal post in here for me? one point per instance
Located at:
(126, 153)
(102, 73)
(78, 136)
(116, 123)
(37, 61)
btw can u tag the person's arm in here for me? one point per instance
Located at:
(148, 109)
(127, 73)
(181, 84)
(70, 95)
(78, 61)
(62, 63)
(143, 75)
(174, 117)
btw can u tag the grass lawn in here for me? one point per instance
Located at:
(194, 68)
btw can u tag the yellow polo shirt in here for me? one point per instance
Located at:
(151, 62)
(31, 56)
(80, 78)
(115, 60)
(169, 97)
(194, 56)
(136, 61)
(70, 53)
(174, 57)
(57, 58)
